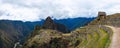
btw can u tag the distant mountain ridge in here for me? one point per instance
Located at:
(73, 23)
(13, 31)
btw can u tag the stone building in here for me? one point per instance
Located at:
(101, 15)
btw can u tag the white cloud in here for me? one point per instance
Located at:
(34, 10)
(19, 13)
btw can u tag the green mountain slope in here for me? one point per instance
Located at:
(11, 32)
(95, 35)
(87, 37)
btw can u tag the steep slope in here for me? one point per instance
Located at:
(12, 31)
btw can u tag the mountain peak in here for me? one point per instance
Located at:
(48, 19)
(50, 24)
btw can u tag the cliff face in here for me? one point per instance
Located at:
(50, 24)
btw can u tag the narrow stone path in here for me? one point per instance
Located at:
(115, 43)
(15, 46)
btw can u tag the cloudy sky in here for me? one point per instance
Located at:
(34, 10)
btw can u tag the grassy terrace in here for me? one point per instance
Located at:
(94, 36)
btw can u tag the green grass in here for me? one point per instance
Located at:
(94, 38)
(104, 37)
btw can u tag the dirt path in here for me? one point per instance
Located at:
(115, 43)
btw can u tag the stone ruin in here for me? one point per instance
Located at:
(101, 15)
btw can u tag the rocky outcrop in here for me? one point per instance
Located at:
(50, 24)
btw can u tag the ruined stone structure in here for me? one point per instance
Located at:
(101, 15)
